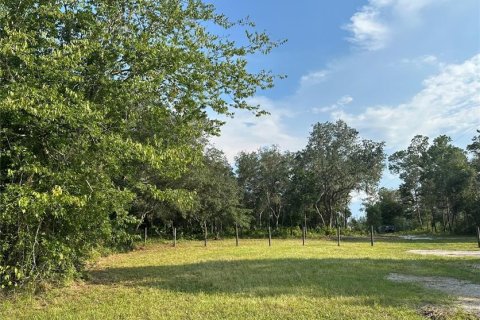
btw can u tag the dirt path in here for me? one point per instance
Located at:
(447, 253)
(415, 238)
(467, 293)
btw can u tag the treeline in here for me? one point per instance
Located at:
(271, 188)
(312, 187)
(440, 188)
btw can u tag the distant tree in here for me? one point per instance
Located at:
(390, 206)
(359, 224)
(275, 178)
(448, 179)
(216, 191)
(300, 198)
(265, 176)
(474, 148)
(474, 196)
(386, 209)
(337, 162)
(410, 165)
(248, 177)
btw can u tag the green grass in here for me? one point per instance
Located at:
(253, 281)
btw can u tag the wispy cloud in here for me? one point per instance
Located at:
(371, 27)
(313, 78)
(343, 101)
(424, 60)
(449, 103)
(248, 133)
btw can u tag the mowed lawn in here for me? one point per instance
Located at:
(254, 281)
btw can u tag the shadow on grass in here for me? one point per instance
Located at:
(329, 278)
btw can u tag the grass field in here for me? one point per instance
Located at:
(254, 281)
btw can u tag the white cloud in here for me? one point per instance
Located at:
(449, 103)
(409, 8)
(373, 25)
(368, 31)
(424, 60)
(246, 132)
(343, 101)
(313, 78)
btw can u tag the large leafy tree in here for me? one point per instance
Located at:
(411, 164)
(438, 183)
(448, 180)
(264, 176)
(474, 197)
(102, 103)
(248, 177)
(275, 169)
(217, 193)
(338, 162)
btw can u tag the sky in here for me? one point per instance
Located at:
(391, 69)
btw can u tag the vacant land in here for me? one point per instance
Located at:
(254, 281)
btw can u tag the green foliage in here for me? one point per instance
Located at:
(103, 105)
(374, 215)
(439, 185)
(265, 176)
(217, 193)
(335, 163)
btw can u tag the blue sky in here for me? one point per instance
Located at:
(390, 68)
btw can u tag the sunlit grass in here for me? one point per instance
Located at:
(285, 281)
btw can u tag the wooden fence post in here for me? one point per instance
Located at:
(206, 234)
(269, 237)
(371, 235)
(174, 236)
(478, 236)
(236, 234)
(338, 234)
(304, 235)
(145, 236)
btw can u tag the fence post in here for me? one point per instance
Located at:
(269, 237)
(206, 234)
(145, 236)
(338, 234)
(236, 234)
(478, 236)
(174, 236)
(371, 235)
(304, 235)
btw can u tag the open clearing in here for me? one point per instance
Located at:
(254, 281)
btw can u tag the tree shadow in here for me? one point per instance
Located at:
(329, 278)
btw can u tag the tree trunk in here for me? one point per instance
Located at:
(319, 213)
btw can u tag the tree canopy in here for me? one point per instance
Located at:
(102, 105)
